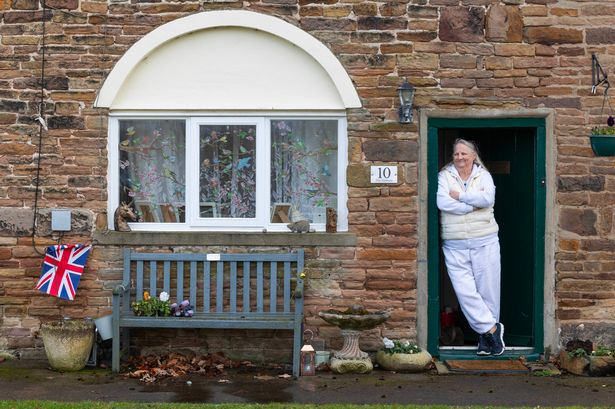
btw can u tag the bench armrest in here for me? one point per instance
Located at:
(122, 288)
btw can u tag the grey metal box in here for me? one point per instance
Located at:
(60, 220)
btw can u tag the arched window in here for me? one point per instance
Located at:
(228, 120)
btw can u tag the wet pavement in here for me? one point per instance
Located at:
(29, 379)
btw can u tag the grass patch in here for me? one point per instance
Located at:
(133, 405)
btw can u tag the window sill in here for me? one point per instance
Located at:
(224, 239)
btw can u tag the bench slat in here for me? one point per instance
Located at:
(139, 294)
(193, 273)
(223, 257)
(167, 277)
(287, 286)
(273, 283)
(246, 286)
(233, 287)
(206, 286)
(152, 277)
(180, 281)
(282, 322)
(220, 287)
(259, 286)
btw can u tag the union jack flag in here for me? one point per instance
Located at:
(62, 269)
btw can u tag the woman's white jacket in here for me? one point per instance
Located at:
(471, 216)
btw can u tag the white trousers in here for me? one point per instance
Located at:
(475, 274)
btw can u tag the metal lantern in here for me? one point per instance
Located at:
(308, 360)
(406, 95)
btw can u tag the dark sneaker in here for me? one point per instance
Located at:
(497, 345)
(484, 347)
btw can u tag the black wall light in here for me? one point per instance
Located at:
(406, 95)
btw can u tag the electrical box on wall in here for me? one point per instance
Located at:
(60, 220)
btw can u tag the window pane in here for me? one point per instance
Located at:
(152, 169)
(303, 169)
(228, 171)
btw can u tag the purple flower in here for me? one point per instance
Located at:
(610, 121)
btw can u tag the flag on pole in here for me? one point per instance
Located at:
(62, 269)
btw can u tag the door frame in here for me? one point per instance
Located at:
(544, 325)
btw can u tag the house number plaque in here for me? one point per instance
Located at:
(384, 174)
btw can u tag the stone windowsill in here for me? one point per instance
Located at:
(224, 239)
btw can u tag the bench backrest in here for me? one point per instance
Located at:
(221, 283)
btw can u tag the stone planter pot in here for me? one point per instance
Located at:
(68, 343)
(404, 362)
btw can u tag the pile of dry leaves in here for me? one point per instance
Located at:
(153, 367)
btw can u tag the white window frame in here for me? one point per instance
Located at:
(262, 120)
(192, 177)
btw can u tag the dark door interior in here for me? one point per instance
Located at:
(509, 154)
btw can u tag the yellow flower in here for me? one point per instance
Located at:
(145, 295)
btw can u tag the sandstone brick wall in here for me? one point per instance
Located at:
(459, 54)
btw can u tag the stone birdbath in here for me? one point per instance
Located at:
(351, 322)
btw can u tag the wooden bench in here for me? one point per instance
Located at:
(248, 291)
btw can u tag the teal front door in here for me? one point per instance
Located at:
(513, 151)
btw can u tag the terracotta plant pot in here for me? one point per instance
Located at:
(68, 343)
(418, 362)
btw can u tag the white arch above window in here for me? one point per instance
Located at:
(228, 60)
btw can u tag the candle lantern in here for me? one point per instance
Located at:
(308, 360)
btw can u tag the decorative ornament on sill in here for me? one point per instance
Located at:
(123, 214)
(299, 223)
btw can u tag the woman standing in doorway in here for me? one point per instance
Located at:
(466, 195)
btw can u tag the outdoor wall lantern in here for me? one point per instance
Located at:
(406, 95)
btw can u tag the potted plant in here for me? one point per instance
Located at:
(584, 357)
(602, 138)
(152, 306)
(402, 356)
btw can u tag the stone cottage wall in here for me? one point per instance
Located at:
(459, 54)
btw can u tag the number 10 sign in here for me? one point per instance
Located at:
(384, 174)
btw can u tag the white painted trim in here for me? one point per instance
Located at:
(284, 114)
(192, 189)
(113, 179)
(342, 186)
(260, 222)
(227, 18)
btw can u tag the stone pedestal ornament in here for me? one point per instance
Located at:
(350, 359)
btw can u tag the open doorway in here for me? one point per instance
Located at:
(513, 151)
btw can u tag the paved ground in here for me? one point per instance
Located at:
(27, 379)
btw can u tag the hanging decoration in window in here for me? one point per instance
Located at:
(152, 169)
(228, 171)
(303, 169)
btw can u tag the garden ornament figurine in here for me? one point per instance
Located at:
(331, 220)
(123, 214)
(299, 223)
(301, 226)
